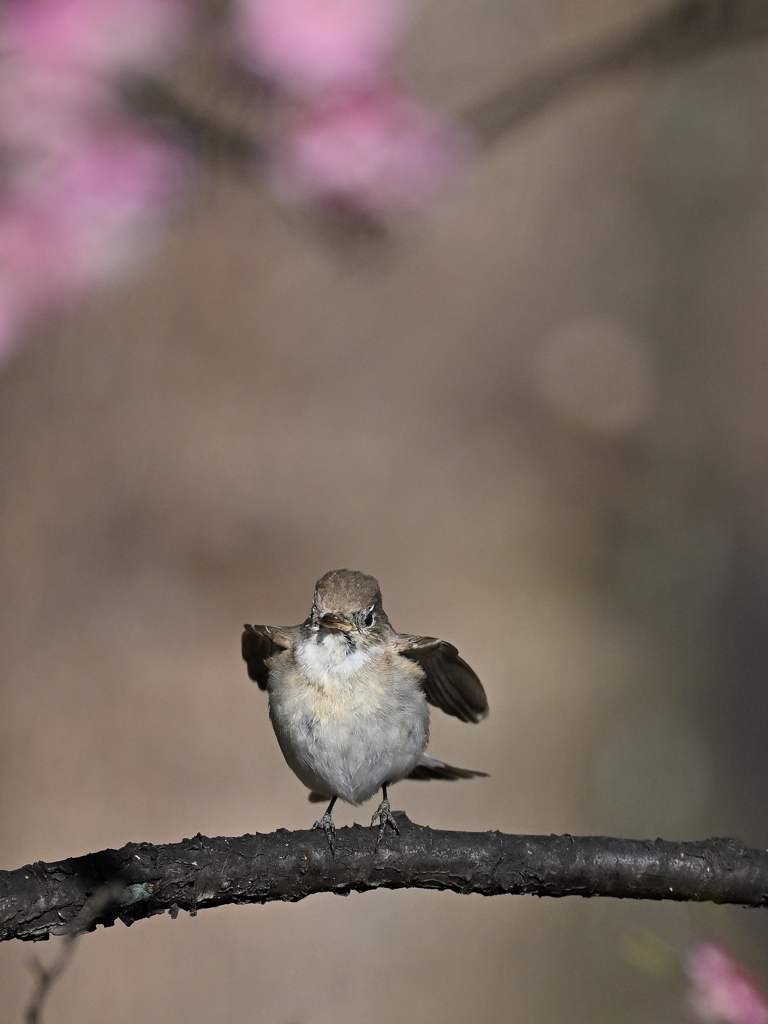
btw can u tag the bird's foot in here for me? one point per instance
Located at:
(327, 825)
(384, 814)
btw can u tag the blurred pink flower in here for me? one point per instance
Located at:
(60, 240)
(101, 36)
(721, 991)
(45, 111)
(382, 154)
(311, 46)
(36, 259)
(80, 183)
(78, 224)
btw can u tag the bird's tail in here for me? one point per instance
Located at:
(427, 768)
(430, 768)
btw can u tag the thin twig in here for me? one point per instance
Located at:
(214, 140)
(688, 29)
(107, 896)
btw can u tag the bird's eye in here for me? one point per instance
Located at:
(369, 618)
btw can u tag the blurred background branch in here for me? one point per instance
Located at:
(690, 28)
(687, 30)
(258, 87)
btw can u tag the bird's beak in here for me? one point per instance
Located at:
(334, 624)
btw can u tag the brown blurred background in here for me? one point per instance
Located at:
(538, 416)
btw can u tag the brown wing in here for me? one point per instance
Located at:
(449, 683)
(260, 643)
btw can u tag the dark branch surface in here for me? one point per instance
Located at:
(690, 28)
(43, 899)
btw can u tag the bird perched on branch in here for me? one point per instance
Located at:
(348, 696)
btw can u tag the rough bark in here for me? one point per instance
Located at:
(44, 899)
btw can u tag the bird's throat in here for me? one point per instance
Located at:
(325, 655)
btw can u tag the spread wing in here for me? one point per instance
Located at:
(260, 643)
(449, 683)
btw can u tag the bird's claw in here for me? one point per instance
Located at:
(327, 825)
(384, 814)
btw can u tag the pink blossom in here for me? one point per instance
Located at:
(45, 111)
(60, 240)
(721, 991)
(311, 46)
(36, 256)
(101, 36)
(79, 223)
(80, 182)
(381, 154)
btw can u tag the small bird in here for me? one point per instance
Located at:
(348, 696)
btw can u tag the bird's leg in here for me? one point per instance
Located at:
(326, 823)
(384, 814)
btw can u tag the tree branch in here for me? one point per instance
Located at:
(687, 29)
(43, 899)
(690, 28)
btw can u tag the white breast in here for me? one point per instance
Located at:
(347, 720)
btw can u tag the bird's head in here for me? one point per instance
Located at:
(348, 602)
